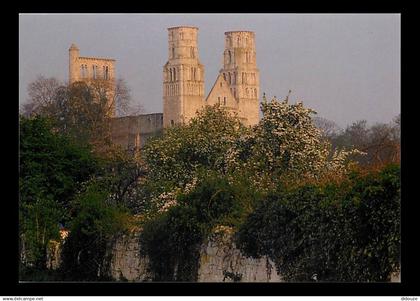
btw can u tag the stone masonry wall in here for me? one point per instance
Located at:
(220, 261)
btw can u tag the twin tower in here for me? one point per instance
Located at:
(236, 87)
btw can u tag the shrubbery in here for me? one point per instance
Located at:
(172, 240)
(92, 230)
(336, 232)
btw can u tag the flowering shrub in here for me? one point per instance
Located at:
(286, 146)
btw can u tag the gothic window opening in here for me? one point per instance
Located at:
(173, 53)
(170, 74)
(224, 101)
(230, 79)
(172, 123)
(106, 72)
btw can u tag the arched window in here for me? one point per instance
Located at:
(170, 74)
(106, 74)
(192, 52)
(173, 53)
(224, 101)
(174, 70)
(224, 76)
(230, 79)
(230, 57)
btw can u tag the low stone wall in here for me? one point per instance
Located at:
(220, 261)
(126, 262)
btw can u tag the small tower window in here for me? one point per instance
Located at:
(106, 74)
(173, 53)
(172, 122)
(224, 101)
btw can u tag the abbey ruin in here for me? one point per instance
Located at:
(236, 88)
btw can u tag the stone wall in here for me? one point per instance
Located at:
(220, 261)
(132, 132)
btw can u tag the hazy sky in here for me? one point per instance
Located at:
(346, 67)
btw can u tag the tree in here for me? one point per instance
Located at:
(83, 109)
(328, 127)
(95, 223)
(286, 146)
(51, 167)
(380, 142)
(176, 158)
(42, 95)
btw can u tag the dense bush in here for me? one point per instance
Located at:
(172, 240)
(337, 232)
(95, 224)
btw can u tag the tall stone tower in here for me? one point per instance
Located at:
(90, 69)
(241, 73)
(183, 77)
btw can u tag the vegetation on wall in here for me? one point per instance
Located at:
(172, 240)
(335, 232)
(91, 232)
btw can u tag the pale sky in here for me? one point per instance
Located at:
(344, 66)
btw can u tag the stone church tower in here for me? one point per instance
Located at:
(183, 77)
(241, 73)
(89, 69)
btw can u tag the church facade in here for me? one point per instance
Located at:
(236, 88)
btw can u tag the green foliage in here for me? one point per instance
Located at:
(177, 156)
(340, 232)
(172, 240)
(50, 169)
(95, 224)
